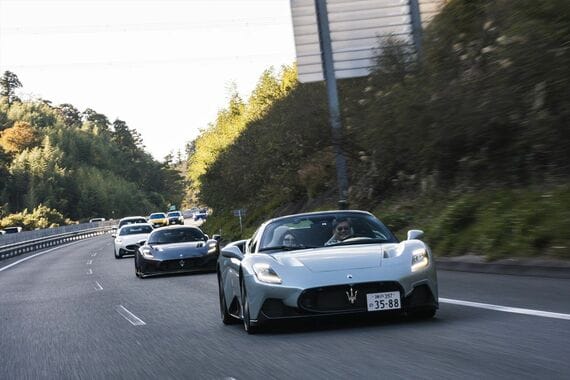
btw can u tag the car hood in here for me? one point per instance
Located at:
(334, 258)
(179, 250)
(132, 239)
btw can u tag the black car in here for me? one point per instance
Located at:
(175, 217)
(176, 249)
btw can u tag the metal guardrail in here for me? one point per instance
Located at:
(26, 245)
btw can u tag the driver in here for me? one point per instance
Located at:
(342, 231)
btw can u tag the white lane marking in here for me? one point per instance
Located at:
(507, 309)
(98, 286)
(35, 255)
(135, 321)
(94, 254)
(90, 262)
(90, 271)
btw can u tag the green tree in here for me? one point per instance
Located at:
(9, 82)
(70, 115)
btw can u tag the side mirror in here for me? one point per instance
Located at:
(140, 243)
(114, 235)
(232, 252)
(206, 237)
(415, 234)
(217, 237)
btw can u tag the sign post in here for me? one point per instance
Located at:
(239, 213)
(332, 93)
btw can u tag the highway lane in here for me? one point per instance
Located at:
(65, 314)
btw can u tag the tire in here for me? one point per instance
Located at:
(248, 326)
(117, 256)
(227, 319)
(138, 272)
(424, 313)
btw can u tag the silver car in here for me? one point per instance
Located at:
(325, 264)
(128, 236)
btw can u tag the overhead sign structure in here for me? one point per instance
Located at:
(356, 28)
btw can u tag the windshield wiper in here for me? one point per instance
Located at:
(360, 240)
(286, 248)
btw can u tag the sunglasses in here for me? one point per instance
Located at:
(339, 229)
(289, 239)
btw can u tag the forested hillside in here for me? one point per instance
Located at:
(77, 164)
(469, 141)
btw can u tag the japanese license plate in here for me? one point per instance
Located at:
(383, 301)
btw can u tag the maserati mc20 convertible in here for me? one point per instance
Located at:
(325, 264)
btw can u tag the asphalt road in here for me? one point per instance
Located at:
(78, 313)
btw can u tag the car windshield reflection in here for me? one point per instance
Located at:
(176, 236)
(322, 230)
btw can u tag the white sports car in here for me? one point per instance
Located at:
(128, 236)
(323, 264)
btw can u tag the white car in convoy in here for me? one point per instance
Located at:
(128, 237)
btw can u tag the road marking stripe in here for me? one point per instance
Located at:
(507, 309)
(37, 254)
(90, 271)
(90, 262)
(98, 286)
(135, 321)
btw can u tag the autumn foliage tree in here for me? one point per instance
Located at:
(19, 137)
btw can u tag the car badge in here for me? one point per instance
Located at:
(352, 295)
(349, 276)
(181, 262)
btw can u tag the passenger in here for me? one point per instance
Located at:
(289, 240)
(342, 230)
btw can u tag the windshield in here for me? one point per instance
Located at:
(131, 221)
(157, 216)
(135, 229)
(176, 213)
(320, 230)
(177, 235)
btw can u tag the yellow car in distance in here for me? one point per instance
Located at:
(158, 219)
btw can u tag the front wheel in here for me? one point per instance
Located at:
(227, 319)
(248, 326)
(138, 271)
(426, 313)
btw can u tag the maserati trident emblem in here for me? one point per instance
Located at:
(352, 295)
(181, 262)
(349, 276)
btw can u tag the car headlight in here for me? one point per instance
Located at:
(420, 259)
(265, 273)
(118, 241)
(212, 248)
(146, 252)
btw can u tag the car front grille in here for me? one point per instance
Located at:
(333, 299)
(131, 248)
(182, 264)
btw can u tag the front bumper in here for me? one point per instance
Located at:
(417, 291)
(181, 265)
(274, 309)
(128, 249)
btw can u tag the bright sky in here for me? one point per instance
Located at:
(162, 66)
